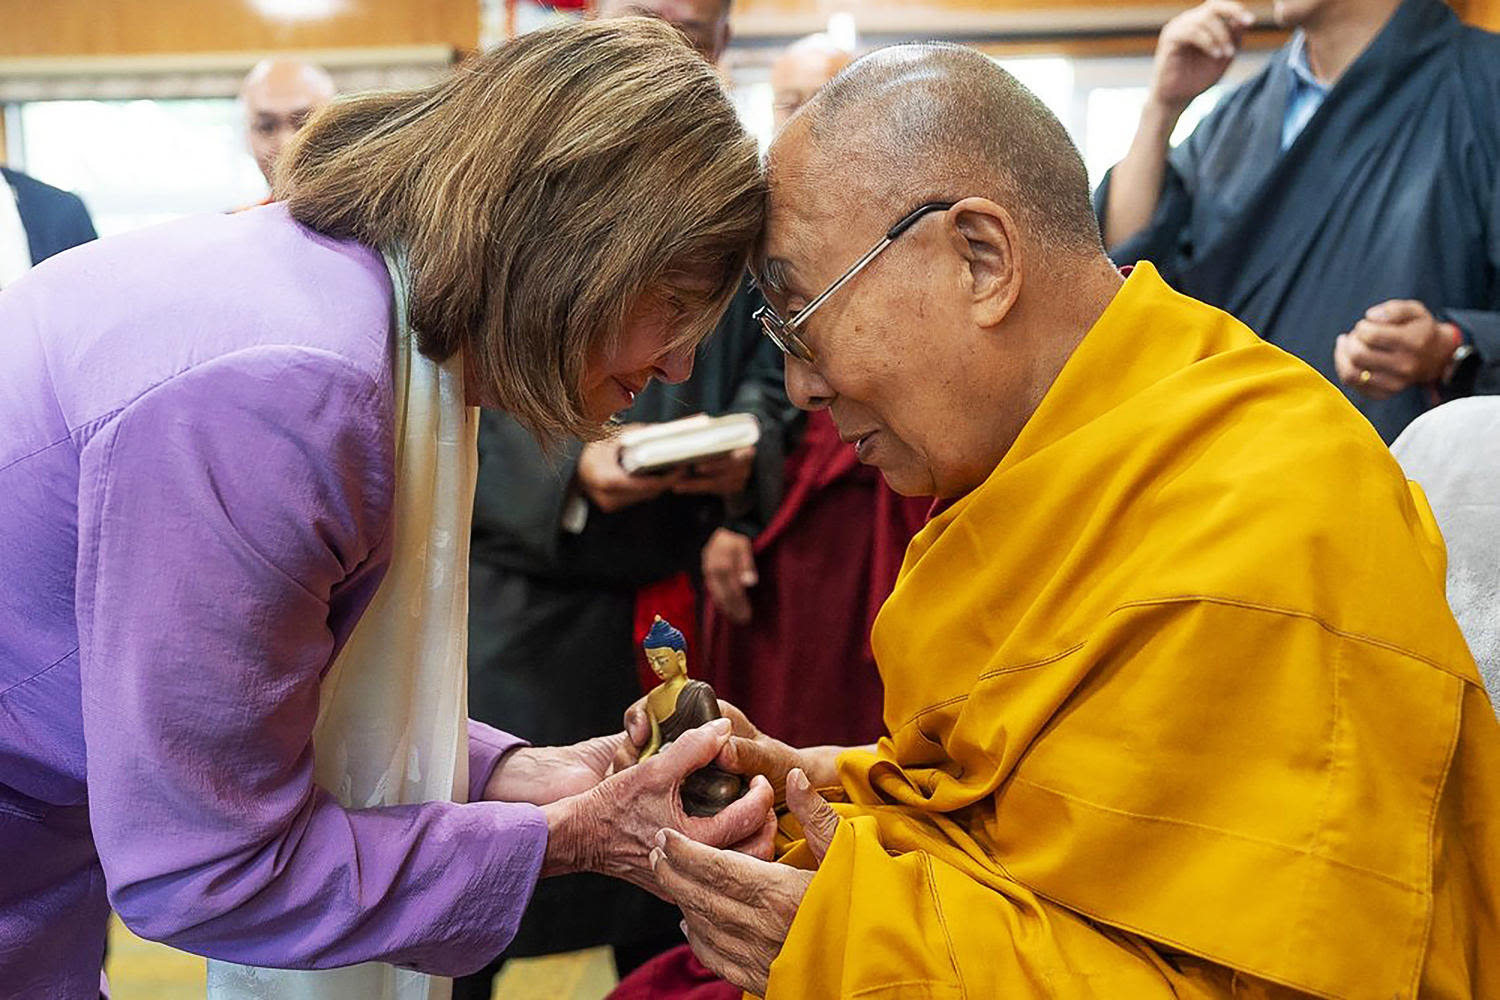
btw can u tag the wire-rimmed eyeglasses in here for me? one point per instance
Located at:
(783, 332)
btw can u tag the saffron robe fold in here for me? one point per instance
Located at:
(1176, 707)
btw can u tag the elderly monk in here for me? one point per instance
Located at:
(1176, 706)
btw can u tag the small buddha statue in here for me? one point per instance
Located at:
(677, 705)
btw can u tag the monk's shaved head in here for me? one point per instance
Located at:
(937, 122)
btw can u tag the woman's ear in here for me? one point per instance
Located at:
(985, 235)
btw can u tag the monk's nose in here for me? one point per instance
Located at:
(805, 387)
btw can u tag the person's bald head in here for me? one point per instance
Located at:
(947, 121)
(798, 73)
(936, 353)
(704, 22)
(279, 96)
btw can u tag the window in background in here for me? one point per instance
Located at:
(136, 163)
(1049, 78)
(1110, 93)
(1098, 99)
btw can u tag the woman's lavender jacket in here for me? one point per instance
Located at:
(196, 470)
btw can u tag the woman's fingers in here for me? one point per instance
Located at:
(637, 734)
(692, 750)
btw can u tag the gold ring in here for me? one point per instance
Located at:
(1364, 377)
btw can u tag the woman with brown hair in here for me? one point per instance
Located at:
(234, 492)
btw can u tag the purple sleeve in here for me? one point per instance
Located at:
(486, 746)
(224, 517)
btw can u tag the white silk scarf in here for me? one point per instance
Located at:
(392, 724)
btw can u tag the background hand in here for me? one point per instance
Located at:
(724, 476)
(1195, 48)
(728, 571)
(1400, 343)
(608, 486)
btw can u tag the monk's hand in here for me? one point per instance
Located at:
(540, 775)
(750, 751)
(737, 910)
(1398, 344)
(724, 475)
(1194, 49)
(607, 485)
(728, 571)
(611, 828)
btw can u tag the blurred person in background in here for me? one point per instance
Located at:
(1344, 203)
(705, 23)
(279, 96)
(37, 220)
(572, 557)
(800, 70)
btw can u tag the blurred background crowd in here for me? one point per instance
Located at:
(118, 114)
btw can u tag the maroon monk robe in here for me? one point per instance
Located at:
(802, 669)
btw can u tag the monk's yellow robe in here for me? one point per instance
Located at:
(1176, 708)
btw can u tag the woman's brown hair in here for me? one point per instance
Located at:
(539, 191)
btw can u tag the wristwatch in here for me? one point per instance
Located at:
(1463, 363)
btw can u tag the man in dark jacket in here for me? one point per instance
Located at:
(36, 221)
(1344, 203)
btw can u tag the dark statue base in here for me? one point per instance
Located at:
(709, 789)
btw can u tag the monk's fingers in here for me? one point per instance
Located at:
(704, 880)
(1397, 311)
(762, 843)
(819, 822)
(741, 945)
(715, 950)
(741, 820)
(740, 724)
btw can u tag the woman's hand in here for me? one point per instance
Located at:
(737, 910)
(541, 775)
(612, 827)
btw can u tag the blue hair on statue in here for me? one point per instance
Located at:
(664, 636)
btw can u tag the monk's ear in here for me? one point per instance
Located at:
(987, 238)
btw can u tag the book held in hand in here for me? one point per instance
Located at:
(659, 447)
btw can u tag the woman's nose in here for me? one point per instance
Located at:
(677, 366)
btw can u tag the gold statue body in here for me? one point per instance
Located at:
(677, 705)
